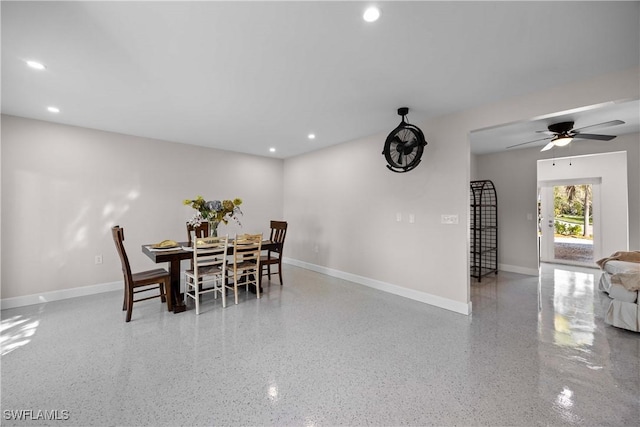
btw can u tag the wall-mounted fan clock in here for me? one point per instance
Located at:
(404, 146)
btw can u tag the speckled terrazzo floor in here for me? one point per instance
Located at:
(323, 351)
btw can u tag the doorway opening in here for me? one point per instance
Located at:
(568, 225)
(573, 223)
(607, 175)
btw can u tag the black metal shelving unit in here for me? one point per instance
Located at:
(484, 229)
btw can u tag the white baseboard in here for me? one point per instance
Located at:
(25, 300)
(424, 297)
(516, 269)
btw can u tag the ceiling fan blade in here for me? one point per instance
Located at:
(528, 142)
(601, 125)
(548, 132)
(549, 146)
(594, 136)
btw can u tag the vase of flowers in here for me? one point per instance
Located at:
(214, 212)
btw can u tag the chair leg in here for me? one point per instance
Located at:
(235, 287)
(197, 294)
(223, 291)
(219, 283)
(258, 282)
(280, 271)
(129, 304)
(163, 293)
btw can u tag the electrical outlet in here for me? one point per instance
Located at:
(412, 218)
(316, 249)
(449, 219)
(98, 259)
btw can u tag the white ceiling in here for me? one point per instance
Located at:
(527, 133)
(247, 76)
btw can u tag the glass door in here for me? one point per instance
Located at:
(573, 223)
(566, 224)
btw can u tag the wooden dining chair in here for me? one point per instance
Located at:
(209, 269)
(200, 231)
(245, 269)
(274, 256)
(143, 281)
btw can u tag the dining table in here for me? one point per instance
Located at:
(174, 257)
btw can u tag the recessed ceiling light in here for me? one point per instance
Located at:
(36, 65)
(311, 136)
(53, 109)
(273, 150)
(371, 14)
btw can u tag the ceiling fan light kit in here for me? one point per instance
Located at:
(404, 146)
(562, 141)
(563, 133)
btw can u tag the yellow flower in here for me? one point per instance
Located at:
(237, 201)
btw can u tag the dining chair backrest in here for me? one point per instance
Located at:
(246, 248)
(118, 237)
(278, 234)
(200, 231)
(209, 252)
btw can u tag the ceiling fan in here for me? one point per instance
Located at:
(404, 146)
(563, 133)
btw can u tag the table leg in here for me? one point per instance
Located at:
(252, 288)
(174, 272)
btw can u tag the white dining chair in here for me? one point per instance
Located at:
(245, 269)
(208, 272)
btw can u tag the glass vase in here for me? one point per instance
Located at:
(213, 228)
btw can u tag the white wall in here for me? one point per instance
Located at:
(344, 201)
(63, 187)
(473, 168)
(514, 174)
